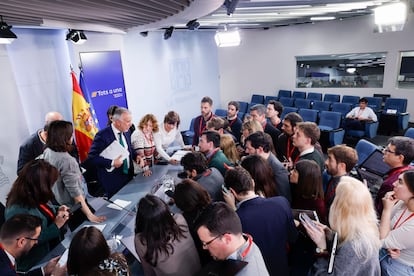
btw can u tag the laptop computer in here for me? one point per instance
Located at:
(373, 169)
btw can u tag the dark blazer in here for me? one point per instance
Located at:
(6, 268)
(116, 179)
(33, 147)
(270, 222)
(273, 132)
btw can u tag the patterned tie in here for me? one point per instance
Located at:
(125, 162)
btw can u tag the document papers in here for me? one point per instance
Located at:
(179, 154)
(119, 204)
(114, 150)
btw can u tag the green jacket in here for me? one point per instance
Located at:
(48, 233)
(217, 161)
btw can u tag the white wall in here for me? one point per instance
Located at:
(174, 74)
(162, 75)
(265, 61)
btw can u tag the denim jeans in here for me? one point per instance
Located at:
(392, 267)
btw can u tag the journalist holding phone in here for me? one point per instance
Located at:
(397, 227)
(30, 194)
(353, 217)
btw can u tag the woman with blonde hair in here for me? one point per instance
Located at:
(228, 146)
(143, 143)
(248, 128)
(353, 217)
(397, 227)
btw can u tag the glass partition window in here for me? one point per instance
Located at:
(406, 71)
(363, 70)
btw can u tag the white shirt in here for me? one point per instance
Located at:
(116, 133)
(366, 113)
(164, 139)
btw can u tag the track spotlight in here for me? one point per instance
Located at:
(193, 25)
(77, 36)
(168, 32)
(6, 35)
(230, 6)
(144, 34)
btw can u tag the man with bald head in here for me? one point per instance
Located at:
(35, 144)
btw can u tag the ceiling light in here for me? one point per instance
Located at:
(168, 32)
(193, 25)
(351, 70)
(227, 38)
(6, 35)
(76, 36)
(322, 18)
(391, 17)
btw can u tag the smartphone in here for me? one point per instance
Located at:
(224, 189)
(74, 208)
(169, 193)
(305, 219)
(333, 252)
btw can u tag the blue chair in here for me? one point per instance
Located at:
(257, 99)
(308, 115)
(350, 99)
(409, 132)
(364, 149)
(244, 107)
(330, 123)
(333, 98)
(375, 103)
(394, 116)
(299, 95)
(321, 106)
(342, 108)
(240, 115)
(221, 112)
(284, 93)
(269, 98)
(314, 96)
(286, 110)
(188, 134)
(371, 129)
(302, 103)
(287, 101)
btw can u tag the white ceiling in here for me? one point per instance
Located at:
(119, 16)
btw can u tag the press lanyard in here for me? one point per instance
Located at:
(409, 217)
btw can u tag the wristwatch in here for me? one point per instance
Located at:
(320, 250)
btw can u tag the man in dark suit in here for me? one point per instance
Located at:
(17, 237)
(268, 220)
(113, 174)
(36, 143)
(258, 113)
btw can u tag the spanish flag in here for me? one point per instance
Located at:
(83, 122)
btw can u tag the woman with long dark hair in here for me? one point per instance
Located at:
(162, 240)
(31, 194)
(307, 189)
(262, 174)
(397, 227)
(89, 254)
(192, 199)
(68, 189)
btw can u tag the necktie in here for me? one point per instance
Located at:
(125, 162)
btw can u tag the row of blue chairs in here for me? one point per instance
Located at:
(313, 96)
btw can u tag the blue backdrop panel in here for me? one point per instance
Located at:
(105, 81)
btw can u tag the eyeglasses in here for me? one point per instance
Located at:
(388, 150)
(206, 244)
(28, 238)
